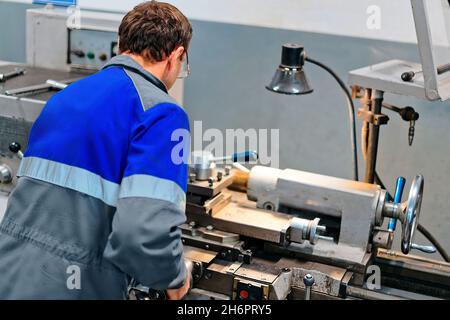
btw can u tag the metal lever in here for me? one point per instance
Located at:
(410, 115)
(409, 75)
(13, 74)
(397, 199)
(309, 281)
(44, 87)
(137, 291)
(56, 84)
(246, 156)
(426, 249)
(203, 163)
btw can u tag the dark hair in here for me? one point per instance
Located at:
(154, 30)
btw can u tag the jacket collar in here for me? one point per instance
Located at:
(130, 64)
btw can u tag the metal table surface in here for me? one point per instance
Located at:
(18, 113)
(35, 76)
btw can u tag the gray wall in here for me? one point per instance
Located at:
(231, 64)
(12, 31)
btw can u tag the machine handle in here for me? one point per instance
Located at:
(17, 72)
(397, 199)
(56, 84)
(245, 157)
(411, 218)
(309, 281)
(426, 249)
(140, 292)
(15, 147)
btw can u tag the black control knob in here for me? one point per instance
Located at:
(408, 76)
(78, 53)
(409, 114)
(15, 147)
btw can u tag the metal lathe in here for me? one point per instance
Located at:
(266, 234)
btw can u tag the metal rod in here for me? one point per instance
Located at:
(391, 107)
(443, 68)
(10, 75)
(374, 133)
(44, 87)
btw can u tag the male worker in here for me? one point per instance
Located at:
(99, 199)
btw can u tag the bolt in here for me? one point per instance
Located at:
(219, 176)
(227, 170)
(192, 177)
(211, 182)
(308, 280)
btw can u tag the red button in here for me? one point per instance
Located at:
(243, 294)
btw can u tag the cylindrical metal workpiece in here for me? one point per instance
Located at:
(202, 165)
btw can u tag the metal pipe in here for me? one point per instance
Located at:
(374, 133)
(365, 126)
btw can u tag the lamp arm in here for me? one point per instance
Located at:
(351, 112)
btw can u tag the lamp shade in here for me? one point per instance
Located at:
(290, 77)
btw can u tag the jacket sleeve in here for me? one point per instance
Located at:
(145, 241)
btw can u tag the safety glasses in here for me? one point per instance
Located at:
(185, 68)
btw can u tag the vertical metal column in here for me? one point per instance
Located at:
(374, 134)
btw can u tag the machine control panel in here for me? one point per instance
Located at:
(91, 49)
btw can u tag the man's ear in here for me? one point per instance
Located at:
(177, 54)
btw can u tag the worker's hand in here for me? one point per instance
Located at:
(178, 294)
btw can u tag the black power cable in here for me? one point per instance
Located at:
(351, 112)
(433, 240)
